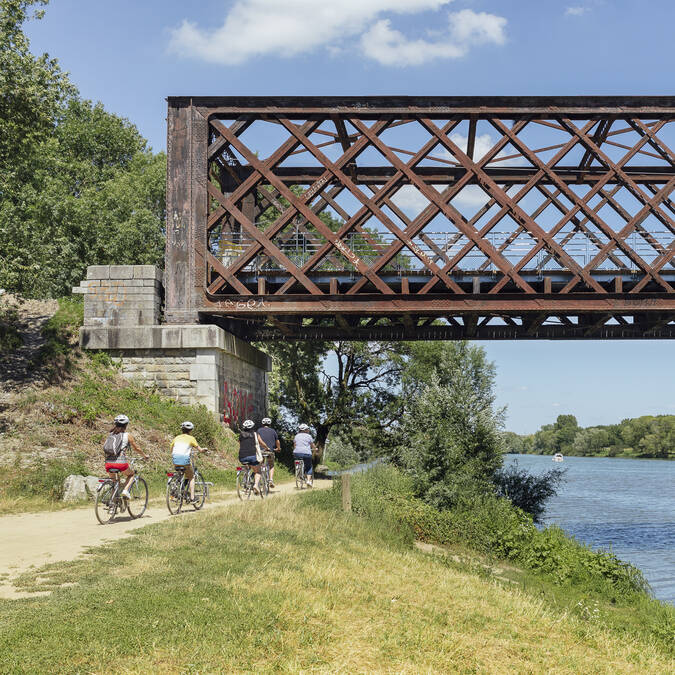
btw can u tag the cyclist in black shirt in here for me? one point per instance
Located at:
(248, 440)
(271, 439)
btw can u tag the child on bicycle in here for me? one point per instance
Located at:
(303, 445)
(114, 449)
(271, 440)
(249, 443)
(181, 454)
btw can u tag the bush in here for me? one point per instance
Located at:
(490, 525)
(527, 491)
(46, 478)
(340, 452)
(61, 333)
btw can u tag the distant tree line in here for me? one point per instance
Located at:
(650, 436)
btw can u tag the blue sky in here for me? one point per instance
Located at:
(131, 55)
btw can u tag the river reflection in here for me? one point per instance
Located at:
(627, 505)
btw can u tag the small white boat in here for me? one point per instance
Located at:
(558, 457)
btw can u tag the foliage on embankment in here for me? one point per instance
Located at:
(569, 573)
(277, 586)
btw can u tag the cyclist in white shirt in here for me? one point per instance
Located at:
(303, 445)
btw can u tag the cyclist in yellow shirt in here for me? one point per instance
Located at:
(181, 454)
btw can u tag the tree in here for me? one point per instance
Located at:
(336, 385)
(449, 435)
(78, 185)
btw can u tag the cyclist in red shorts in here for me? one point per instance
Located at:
(115, 447)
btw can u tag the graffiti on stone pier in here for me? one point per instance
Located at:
(238, 404)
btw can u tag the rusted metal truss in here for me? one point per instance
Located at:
(422, 218)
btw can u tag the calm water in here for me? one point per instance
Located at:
(625, 504)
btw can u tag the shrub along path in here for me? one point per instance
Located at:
(35, 539)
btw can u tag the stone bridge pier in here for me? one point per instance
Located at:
(190, 363)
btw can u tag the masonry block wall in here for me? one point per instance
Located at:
(121, 295)
(190, 363)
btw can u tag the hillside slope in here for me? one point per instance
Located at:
(54, 421)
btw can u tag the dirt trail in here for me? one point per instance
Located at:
(19, 368)
(35, 539)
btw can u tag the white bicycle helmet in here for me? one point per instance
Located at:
(266, 421)
(303, 427)
(248, 424)
(187, 425)
(121, 419)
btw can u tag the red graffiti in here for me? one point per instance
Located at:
(238, 405)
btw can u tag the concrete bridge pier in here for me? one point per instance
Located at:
(191, 363)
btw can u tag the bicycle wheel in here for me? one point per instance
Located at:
(244, 484)
(173, 496)
(299, 474)
(138, 501)
(263, 485)
(264, 480)
(200, 492)
(105, 505)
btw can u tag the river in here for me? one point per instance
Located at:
(625, 504)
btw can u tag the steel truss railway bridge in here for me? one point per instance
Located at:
(422, 217)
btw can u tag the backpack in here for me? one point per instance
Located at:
(113, 446)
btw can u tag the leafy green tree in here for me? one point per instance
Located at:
(659, 441)
(78, 185)
(336, 385)
(450, 434)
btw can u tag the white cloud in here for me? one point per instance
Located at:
(286, 28)
(477, 28)
(391, 48)
(466, 29)
(576, 11)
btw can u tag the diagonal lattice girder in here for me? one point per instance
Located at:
(433, 217)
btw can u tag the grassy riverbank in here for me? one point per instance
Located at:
(280, 587)
(490, 536)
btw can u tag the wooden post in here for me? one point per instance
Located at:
(346, 492)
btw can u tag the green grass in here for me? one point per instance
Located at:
(279, 587)
(500, 541)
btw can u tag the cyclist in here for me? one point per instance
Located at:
(114, 449)
(303, 445)
(271, 440)
(247, 450)
(181, 454)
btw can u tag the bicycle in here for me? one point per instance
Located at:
(178, 490)
(246, 482)
(265, 472)
(301, 481)
(109, 499)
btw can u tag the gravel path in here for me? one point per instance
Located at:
(35, 539)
